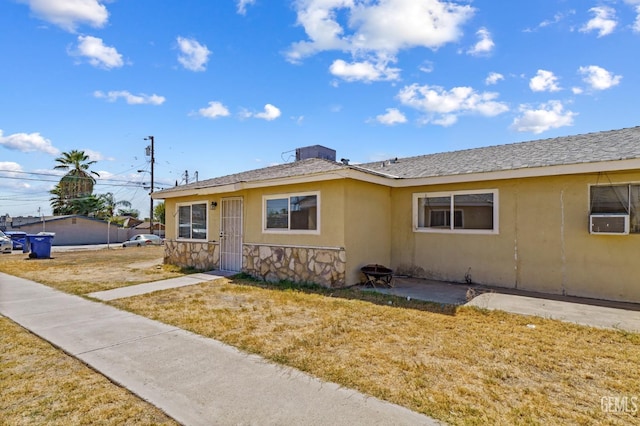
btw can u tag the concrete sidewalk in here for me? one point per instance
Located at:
(136, 290)
(195, 380)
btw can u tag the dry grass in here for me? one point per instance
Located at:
(42, 385)
(82, 272)
(463, 366)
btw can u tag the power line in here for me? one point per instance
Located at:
(120, 183)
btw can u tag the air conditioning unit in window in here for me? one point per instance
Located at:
(612, 224)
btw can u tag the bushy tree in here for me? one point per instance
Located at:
(159, 212)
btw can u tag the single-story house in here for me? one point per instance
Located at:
(558, 216)
(73, 229)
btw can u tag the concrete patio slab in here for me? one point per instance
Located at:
(578, 313)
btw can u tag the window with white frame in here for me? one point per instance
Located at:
(297, 213)
(459, 211)
(192, 221)
(617, 200)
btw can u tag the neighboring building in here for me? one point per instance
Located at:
(5, 222)
(73, 229)
(143, 228)
(557, 216)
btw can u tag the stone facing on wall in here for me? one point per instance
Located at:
(323, 266)
(203, 256)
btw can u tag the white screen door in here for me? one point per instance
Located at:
(231, 235)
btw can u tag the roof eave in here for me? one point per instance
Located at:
(527, 172)
(346, 173)
(390, 181)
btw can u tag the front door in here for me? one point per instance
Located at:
(231, 234)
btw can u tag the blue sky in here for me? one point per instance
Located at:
(231, 85)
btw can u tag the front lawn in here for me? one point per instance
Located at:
(86, 271)
(462, 366)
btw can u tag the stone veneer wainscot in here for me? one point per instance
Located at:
(318, 265)
(204, 256)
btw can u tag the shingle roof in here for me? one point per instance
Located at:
(611, 145)
(298, 168)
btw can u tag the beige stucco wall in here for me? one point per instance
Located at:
(543, 242)
(368, 227)
(331, 215)
(313, 247)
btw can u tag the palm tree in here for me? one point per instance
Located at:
(78, 182)
(58, 201)
(109, 205)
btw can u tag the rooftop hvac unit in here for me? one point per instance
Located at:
(609, 224)
(315, 151)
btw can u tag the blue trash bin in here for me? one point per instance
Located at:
(17, 237)
(40, 246)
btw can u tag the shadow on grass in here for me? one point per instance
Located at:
(349, 293)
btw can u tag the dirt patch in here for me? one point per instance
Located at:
(155, 263)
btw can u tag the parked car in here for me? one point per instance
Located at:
(6, 246)
(141, 240)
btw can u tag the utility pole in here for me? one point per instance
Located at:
(151, 189)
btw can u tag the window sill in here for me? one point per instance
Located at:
(458, 231)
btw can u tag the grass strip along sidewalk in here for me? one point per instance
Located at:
(43, 385)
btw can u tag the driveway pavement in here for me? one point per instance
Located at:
(195, 380)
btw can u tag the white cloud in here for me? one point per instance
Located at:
(270, 113)
(544, 81)
(550, 115)
(214, 110)
(382, 28)
(604, 21)
(599, 78)
(363, 71)
(68, 14)
(445, 120)
(636, 6)
(391, 117)
(445, 106)
(493, 78)
(98, 54)
(426, 67)
(130, 98)
(194, 56)
(242, 6)
(96, 156)
(298, 120)
(28, 142)
(557, 18)
(577, 90)
(8, 167)
(484, 45)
